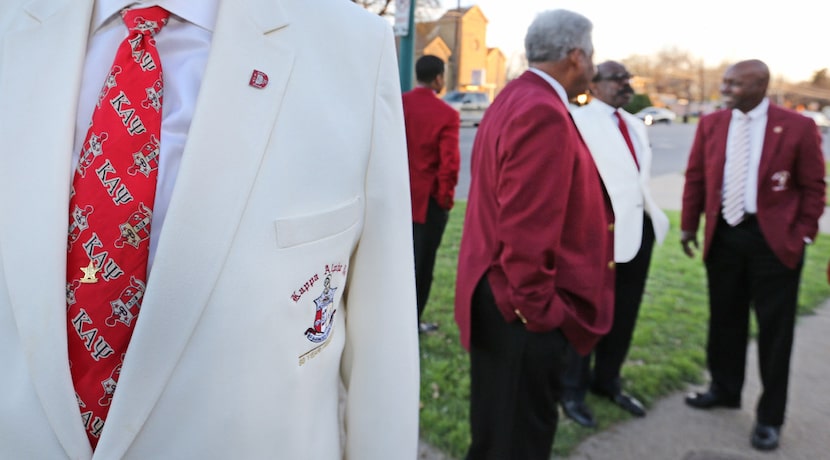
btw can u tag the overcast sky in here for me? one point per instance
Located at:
(792, 37)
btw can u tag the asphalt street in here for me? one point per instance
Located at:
(670, 144)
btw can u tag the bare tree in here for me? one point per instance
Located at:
(423, 8)
(516, 65)
(821, 79)
(379, 7)
(675, 72)
(639, 65)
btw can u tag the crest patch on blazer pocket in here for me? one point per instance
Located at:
(780, 181)
(324, 304)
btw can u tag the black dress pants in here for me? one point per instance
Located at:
(611, 351)
(514, 385)
(426, 238)
(742, 270)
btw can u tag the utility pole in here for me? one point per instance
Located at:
(456, 63)
(406, 63)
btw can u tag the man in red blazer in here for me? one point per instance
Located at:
(432, 142)
(762, 203)
(536, 263)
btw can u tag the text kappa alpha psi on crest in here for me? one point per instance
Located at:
(324, 308)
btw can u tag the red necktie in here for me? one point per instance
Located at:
(110, 211)
(627, 137)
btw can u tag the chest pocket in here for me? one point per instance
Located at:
(295, 231)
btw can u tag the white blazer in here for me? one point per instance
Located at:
(283, 192)
(626, 185)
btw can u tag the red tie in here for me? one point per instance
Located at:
(627, 137)
(110, 210)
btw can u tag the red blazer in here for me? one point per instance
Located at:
(432, 142)
(790, 181)
(538, 221)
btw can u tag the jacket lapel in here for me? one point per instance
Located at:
(720, 136)
(606, 148)
(640, 137)
(47, 57)
(227, 139)
(773, 134)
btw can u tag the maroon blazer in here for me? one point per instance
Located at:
(432, 142)
(790, 181)
(538, 223)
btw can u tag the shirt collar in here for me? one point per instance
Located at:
(759, 111)
(604, 107)
(201, 13)
(560, 90)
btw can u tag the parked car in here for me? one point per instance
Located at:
(470, 105)
(821, 119)
(653, 115)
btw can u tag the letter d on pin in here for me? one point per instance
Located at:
(258, 79)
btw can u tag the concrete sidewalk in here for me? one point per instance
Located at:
(673, 431)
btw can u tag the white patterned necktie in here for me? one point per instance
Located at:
(734, 186)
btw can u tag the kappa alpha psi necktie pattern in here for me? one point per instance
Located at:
(737, 168)
(110, 210)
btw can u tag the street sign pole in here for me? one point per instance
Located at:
(406, 53)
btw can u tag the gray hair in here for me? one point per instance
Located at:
(554, 33)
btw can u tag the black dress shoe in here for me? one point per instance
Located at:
(765, 437)
(711, 399)
(630, 404)
(579, 412)
(424, 328)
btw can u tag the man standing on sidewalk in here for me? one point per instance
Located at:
(620, 147)
(432, 142)
(535, 267)
(756, 171)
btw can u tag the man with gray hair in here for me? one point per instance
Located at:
(536, 263)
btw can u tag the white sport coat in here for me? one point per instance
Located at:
(284, 194)
(626, 185)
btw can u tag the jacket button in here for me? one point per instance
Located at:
(611, 265)
(610, 227)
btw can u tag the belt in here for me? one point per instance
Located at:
(749, 218)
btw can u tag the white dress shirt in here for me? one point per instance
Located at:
(757, 127)
(183, 45)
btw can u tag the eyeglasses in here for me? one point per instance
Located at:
(617, 77)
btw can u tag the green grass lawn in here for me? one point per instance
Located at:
(827, 176)
(666, 355)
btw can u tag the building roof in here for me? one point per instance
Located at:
(452, 13)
